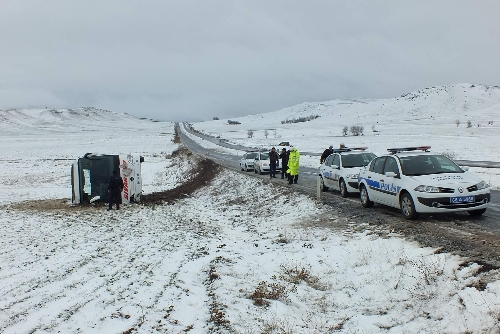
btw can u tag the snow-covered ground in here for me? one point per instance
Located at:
(436, 116)
(237, 256)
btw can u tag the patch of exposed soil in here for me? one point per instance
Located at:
(205, 172)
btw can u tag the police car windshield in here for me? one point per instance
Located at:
(357, 160)
(251, 155)
(428, 164)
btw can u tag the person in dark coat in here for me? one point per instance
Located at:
(115, 188)
(325, 154)
(284, 163)
(273, 159)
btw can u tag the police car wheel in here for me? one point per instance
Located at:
(242, 168)
(254, 170)
(476, 212)
(365, 200)
(343, 189)
(408, 207)
(322, 184)
(246, 168)
(260, 171)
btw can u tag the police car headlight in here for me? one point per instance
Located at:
(352, 176)
(427, 189)
(481, 185)
(263, 164)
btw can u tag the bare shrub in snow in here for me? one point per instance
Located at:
(250, 133)
(276, 326)
(356, 130)
(490, 122)
(457, 122)
(469, 124)
(232, 122)
(345, 131)
(266, 133)
(297, 274)
(283, 239)
(266, 291)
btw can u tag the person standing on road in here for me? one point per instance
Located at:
(284, 162)
(326, 153)
(293, 166)
(273, 159)
(115, 188)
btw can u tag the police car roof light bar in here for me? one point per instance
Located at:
(407, 149)
(340, 150)
(359, 148)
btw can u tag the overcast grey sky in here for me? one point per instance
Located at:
(192, 60)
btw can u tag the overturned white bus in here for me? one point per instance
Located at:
(91, 173)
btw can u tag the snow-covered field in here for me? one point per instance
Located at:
(237, 256)
(436, 116)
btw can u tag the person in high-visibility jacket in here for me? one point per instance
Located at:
(293, 166)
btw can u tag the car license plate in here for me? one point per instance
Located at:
(462, 199)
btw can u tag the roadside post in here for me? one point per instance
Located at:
(318, 188)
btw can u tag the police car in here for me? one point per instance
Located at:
(248, 160)
(417, 181)
(340, 170)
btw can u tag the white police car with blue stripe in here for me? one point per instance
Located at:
(340, 170)
(418, 181)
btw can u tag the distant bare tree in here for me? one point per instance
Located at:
(275, 134)
(457, 122)
(266, 133)
(250, 133)
(357, 130)
(469, 124)
(345, 131)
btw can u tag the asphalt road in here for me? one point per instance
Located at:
(308, 180)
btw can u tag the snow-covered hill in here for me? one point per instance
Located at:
(60, 120)
(436, 116)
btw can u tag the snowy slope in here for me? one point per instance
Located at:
(38, 147)
(425, 117)
(199, 266)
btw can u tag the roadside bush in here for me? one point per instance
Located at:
(345, 131)
(250, 133)
(300, 119)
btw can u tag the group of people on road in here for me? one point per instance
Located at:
(289, 164)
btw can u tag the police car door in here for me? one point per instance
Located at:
(390, 186)
(335, 167)
(373, 177)
(326, 170)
